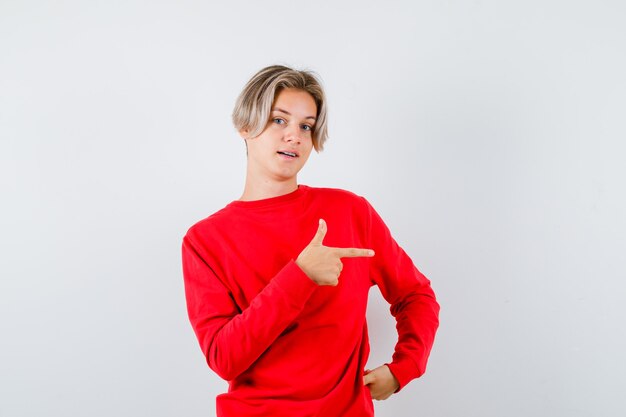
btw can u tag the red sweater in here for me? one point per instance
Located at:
(287, 346)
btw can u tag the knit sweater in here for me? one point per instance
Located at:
(287, 346)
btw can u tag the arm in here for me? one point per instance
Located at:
(232, 340)
(412, 300)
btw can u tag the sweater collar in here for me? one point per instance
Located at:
(272, 201)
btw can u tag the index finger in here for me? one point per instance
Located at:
(353, 252)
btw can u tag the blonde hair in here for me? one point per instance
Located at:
(254, 104)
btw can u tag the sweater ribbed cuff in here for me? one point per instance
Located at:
(404, 370)
(294, 282)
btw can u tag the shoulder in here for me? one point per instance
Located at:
(336, 195)
(209, 225)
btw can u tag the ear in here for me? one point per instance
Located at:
(244, 133)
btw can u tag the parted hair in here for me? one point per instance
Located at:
(254, 104)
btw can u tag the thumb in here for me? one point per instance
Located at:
(368, 379)
(319, 235)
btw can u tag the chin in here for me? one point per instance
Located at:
(285, 176)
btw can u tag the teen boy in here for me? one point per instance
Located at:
(277, 282)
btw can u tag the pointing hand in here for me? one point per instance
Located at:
(323, 263)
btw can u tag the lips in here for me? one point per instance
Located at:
(292, 154)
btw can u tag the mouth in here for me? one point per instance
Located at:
(289, 154)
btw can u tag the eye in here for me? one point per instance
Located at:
(307, 128)
(278, 121)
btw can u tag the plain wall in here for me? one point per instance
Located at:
(489, 135)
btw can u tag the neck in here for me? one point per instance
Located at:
(262, 189)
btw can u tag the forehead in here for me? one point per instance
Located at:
(293, 99)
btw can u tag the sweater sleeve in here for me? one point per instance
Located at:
(232, 340)
(412, 300)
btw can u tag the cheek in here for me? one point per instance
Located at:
(309, 145)
(308, 151)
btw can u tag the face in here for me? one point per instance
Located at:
(283, 148)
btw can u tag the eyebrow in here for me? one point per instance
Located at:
(289, 114)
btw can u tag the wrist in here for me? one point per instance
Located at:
(303, 268)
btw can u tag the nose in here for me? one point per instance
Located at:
(292, 134)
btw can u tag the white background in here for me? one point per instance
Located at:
(488, 134)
